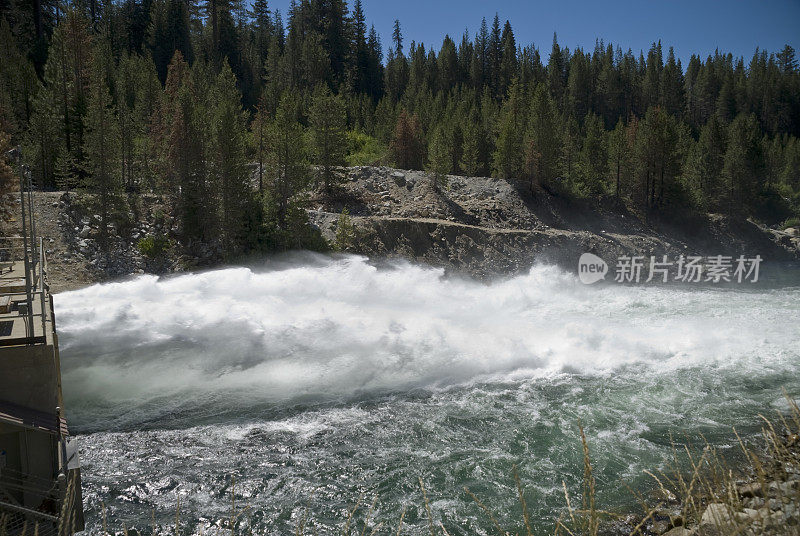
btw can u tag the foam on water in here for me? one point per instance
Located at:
(342, 328)
(330, 374)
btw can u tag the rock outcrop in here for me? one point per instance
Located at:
(487, 227)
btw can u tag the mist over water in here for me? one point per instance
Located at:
(320, 378)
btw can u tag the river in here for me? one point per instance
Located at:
(306, 383)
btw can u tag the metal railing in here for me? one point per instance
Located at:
(55, 515)
(32, 253)
(35, 261)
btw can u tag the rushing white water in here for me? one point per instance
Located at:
(324, 355)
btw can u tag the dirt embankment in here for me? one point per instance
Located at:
(479, 226)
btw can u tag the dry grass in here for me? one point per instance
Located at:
(741, 492)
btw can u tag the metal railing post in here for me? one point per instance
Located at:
(31, 214)
(41, 287)
(28, 298)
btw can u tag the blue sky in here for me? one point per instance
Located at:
(697, 26)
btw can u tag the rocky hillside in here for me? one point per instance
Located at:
(71, 233)
(486, 226)
(478, 226)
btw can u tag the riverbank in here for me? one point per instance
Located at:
(756, 492)
(477, 226)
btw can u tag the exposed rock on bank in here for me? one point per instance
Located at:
(72, 240)
(758, 495)
(486, 226)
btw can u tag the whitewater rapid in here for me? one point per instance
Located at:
(343, 328)
(332, 373)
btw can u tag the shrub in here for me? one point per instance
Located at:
(153, 247)
(364, 150)
(345, 232)
(791, 222)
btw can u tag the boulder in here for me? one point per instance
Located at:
(792, 231)
(751, 490)
(718, 515)
(748, 515)
(660, 527)
(399, 178)
(679, 531)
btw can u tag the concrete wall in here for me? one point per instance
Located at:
(29, 377)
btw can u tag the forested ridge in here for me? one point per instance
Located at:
(233, 111)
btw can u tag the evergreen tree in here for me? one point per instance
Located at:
(651, 85)
(101, 142)
(288, 156)
(726, 101)
(787, 63)
(744, 164)
(169, 31)
(579, 85)
(18, 83)
(478, 70)
(397, 38)
(494, 57)
(328, 124)
(45, 137)
(358, 51)
(183, 154)
(594, 155)
(439, 156)
(65, 172)
(672, 84)
(374, 74)
(507, 159)
(229, 160)
(619, 154)
(259, 129)
(470, 160)
(570, 150)
(449, 74)
(556, 71)
(659, 156)
(542, 144)
(345, 232)
(135, 17)
(396, 76)
(705, 163)
(508, 60)
(136, 88)
(552, 121)
(508, 156)
(262, 29)
(407, 146)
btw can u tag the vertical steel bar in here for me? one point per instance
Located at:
(41, 288)
(28, 299)
(32, 218)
